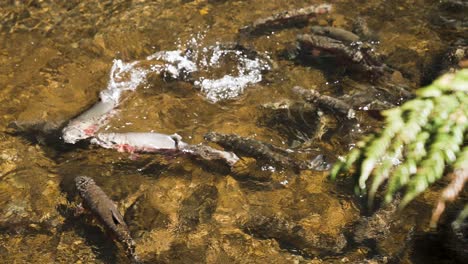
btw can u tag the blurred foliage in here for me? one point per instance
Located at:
(421, 141)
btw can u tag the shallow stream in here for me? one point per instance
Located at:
(57, 56)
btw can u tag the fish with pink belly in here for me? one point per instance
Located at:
(135, 142)
(85, 125)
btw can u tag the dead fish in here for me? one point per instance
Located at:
(138, 142)
(325, 101)
(209, 153)
(257, 149)
(133, 142)
(291, 18)
(358, 53)
(335, 33)
(85, 125)
(105, 210)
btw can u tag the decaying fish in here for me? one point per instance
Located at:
(357, 53)
(291, 18)
(155, 142)
(325, 101)
(138, 142)
(209, 153)
(348, 47)
(335, 33)
(261, 150)
(85, 125)
(105, 210)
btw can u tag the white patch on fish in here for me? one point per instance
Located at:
(85, 125)
(138, 142)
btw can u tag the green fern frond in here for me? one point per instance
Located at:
(420, 140)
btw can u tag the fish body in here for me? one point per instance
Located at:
(156, 142)
(105, 210)
(334, 104)
(360, 54)
(85, 125)
(254, 148)
(139, 142)
(209, 153)
(286, 19)
(336, 33)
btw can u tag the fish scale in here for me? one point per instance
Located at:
(105, 210)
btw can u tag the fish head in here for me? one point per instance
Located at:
(77, 131)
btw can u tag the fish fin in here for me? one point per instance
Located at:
(117, 217)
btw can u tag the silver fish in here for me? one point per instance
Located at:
(138, 142)
(85, 125)
(156, 142)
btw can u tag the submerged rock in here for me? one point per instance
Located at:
(23, 249)
(295, 236)
(198, 207)
(296, 121)
(29, 188)
(377, 226)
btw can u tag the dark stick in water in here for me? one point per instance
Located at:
(105, 210)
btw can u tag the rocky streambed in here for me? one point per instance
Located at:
(56, 58)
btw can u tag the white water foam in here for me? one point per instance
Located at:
(123, 76)
(176, 62)
(128, 76)
(249, 71)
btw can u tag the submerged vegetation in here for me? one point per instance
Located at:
(423, 140)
